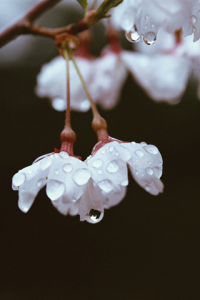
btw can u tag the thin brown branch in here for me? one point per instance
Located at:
(24, 24)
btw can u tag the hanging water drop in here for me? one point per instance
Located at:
(149, 38)
(113, 166)
(94, 216)
(132, 35)
(67, 168)
(149, 171)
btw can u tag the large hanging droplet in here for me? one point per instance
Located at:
(149, 38)
(94, 216)
(132, 35)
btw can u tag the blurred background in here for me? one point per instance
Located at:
(146, 248)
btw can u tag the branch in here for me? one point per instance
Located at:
(23, 25)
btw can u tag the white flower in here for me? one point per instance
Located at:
(51, 82)
(66, 178)
(146, 17)
(109, 166)
(86, 188)
(163, 71)
(104, 77)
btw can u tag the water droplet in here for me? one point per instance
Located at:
(56, 155)
(136, 172)
(94, 216)
(40, 182)
(151, 149)
(193, 19)
(97, 163)
(149, 38)
(149, 162)
(45, 163)
(133, 143)
(81, 176)
(139, 153)
(152, 25)
(158, 172)
(146, 26)
(67, 168)
(30, 171)
(18, 179)
(99, 172)
(142, 174)
(193, 29)
(103, 151)
(124, 182)
(55, 189)
(143, 143)
(63, 154)
(147, 188)
(56, 171)
(105, 185)
(132, 35)
(146, 17)
(113, 166)
(111, 148)
(149, 171)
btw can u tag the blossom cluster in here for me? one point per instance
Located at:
(87, 187)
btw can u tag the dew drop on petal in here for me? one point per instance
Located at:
(18, 179)
(94, 216)
(133, 143)
(113, 166)
(81, 176)
(103, 151)
(136, 172)
(152, 25)
(146, 26)
(158, 172)
(151, 149)
(56, 171)
(105, 185)
(149, 38)
(147, 188)
(193, 19)
(116, 154)
(55, 189)
(143, 143)
(124, 182)
(63, 154)
(132, 35)
(111, 148)
(97, 163)
(149, 171)
(45, 163)
(146, 17)
(99, 172)
(139, 153)
(67, 168)
(40, 182)
(29, 172)
(56, 155)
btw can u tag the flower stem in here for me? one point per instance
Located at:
(67, 136)
(99, 124)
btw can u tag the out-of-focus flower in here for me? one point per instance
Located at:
(86, 188)
(163, 71)
(143, 18)
(51, 83)
(104, 78)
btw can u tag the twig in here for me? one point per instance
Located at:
(24, 24)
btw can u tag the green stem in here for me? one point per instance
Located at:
(93, 106)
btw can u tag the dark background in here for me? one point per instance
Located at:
(146, 248)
